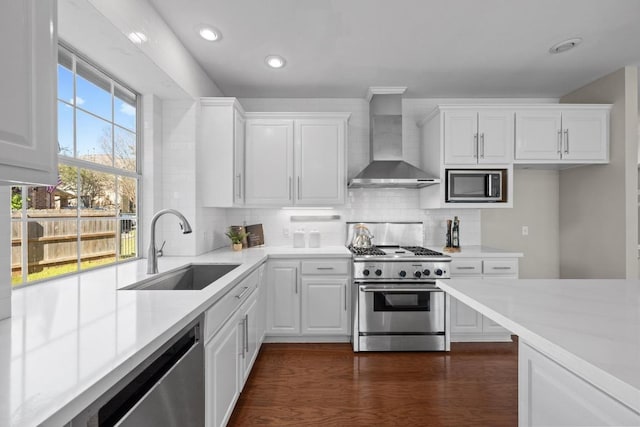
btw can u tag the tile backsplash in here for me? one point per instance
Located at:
(363, 204)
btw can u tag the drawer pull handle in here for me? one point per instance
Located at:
(465, 268)
(244, 291)
(501, 268)
(324, 268)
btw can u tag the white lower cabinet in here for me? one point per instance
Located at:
(283, 300)
(324, 306)
(262, 302)
(231, 350)
(551, 395)
(222, 382)
(308, 298)
(466, 323)
(249, 344)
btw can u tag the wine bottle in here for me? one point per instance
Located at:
(455, 233)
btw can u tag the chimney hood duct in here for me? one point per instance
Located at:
(387, 169)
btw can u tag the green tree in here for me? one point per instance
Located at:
(16, 201)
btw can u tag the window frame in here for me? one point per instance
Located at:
(116, 86)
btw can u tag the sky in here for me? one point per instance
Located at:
(91, 101)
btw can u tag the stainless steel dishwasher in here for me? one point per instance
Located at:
(167, 389)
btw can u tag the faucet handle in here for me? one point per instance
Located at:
(160, 252)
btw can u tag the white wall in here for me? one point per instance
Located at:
(5, 255)
(536, 205)
(151, 189)
(598, 203)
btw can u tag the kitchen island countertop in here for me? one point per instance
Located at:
(70, 339)
(591, 327)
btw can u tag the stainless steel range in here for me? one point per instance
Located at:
(396, 303)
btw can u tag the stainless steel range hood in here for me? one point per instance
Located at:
(387, 168)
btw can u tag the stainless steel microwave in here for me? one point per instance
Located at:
(476, 186)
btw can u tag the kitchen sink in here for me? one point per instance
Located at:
(193, 277)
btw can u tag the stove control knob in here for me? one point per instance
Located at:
(417, 274)
(438, 272)
(426, 272)
(403, 273)
(365, 272)
(378, 272)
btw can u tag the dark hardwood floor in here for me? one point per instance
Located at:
(329, 385)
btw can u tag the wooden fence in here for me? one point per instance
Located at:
(53, 238)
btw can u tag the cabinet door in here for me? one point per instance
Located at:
(585, 135)
(261, 320)
(495, 133)
(238, 159)
(269, 162)
(461, 137)
(319, 153)
(222, 365)
(538, 135)
(283, 308)
(28, 127)
(249, 345)
(549, 394)
(220, 161)
(324, 306)
(464, 319)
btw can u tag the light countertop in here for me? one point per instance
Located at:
(69, 340)
(479, 251)
(591, 327)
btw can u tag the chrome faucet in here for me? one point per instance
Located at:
(152, 258)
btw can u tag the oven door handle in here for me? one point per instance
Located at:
(368, 289)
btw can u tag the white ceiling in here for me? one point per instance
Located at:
(438, 48)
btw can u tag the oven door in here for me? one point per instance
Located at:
(397, 309)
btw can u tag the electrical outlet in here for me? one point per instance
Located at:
(285, 231)
(525, 230)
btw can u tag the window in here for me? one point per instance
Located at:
(90, 217)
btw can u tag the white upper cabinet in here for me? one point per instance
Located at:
(319, 162)
(269, 162)
(563, 134)
(585, 135)
(221, 152)
(478, 136)
(28, 88)
(295, 161)
(238, 158)
(495, 136)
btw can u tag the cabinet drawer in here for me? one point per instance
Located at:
(225, 306)
(329, 267)
(461, 267)
(499, 267)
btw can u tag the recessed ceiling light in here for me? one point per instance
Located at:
(137, 37)
(209, 33)
(275, 61)
(565, 45)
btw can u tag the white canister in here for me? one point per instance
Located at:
(314, 239)
(299, 238)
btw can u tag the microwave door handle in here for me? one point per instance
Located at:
(489, 192)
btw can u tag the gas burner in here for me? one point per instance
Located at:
(420, 251)
(366, 251)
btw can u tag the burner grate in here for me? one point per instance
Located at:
(420, 251)
(366, 251)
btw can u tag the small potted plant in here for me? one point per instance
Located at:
(236, 236)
